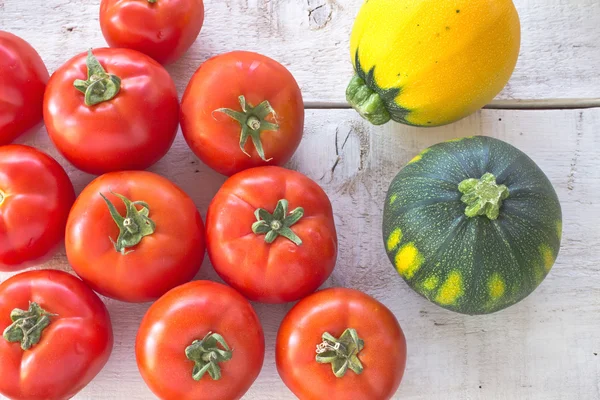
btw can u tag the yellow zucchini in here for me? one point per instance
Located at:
(431, 62)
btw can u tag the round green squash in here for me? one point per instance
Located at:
(472, 224)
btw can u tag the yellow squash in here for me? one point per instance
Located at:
(431, 62)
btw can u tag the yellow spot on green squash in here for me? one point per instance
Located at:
(496, 286)
(393, 199)
(458, 139)
(547, 256)
(451, 289)
(415, 159)
(408, 260)
(431, 282)
(419, 156)
(394, 239)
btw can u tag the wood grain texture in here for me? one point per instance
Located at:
(542, 348)
(545, 348)
(559, 56)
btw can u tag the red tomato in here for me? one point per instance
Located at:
(271, 234)
(35, 198)
(369, 361)
(134, 235)
(162, 29)
(242, 110)
(127, 118)
(200, 341)
(76, 335)
(22, 83)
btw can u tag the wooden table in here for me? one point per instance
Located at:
(546, 347)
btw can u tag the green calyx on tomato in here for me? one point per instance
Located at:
(2, 197)
(134, 226)
(341, 353)
(483, 196)
(152, 1)
(27, 326)
(253, 123)
(100, 86)
(206, 355)
(278, 223)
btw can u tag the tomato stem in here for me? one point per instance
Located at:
(278, 223)
(367, 102)
(134, 226)
(341, 353)
(152, 1)
(100, 86)
(483, 196)
(27, 326)
(253, 122)
(206, 355)
(2, 197)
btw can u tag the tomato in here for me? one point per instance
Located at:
(271, 235)
(134, 235)
(22, 84)
(200, 341)
(127, 118)
(35, 198)
(76, 335)
(367, 364)
(242, 110)
(162, 29)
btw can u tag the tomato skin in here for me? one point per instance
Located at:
(22, 81)
(282, 271)
(214, 137)
(185, 314)
(164, 30)
(132, 131)
(73, 348)
(334, 310)
(169, 257)
(33, 214)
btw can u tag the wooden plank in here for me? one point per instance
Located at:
(514, 104)
(559, 55)
(544, 348)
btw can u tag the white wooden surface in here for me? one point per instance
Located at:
(560, 50)
(546, 347)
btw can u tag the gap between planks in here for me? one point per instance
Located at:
(542, 104)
